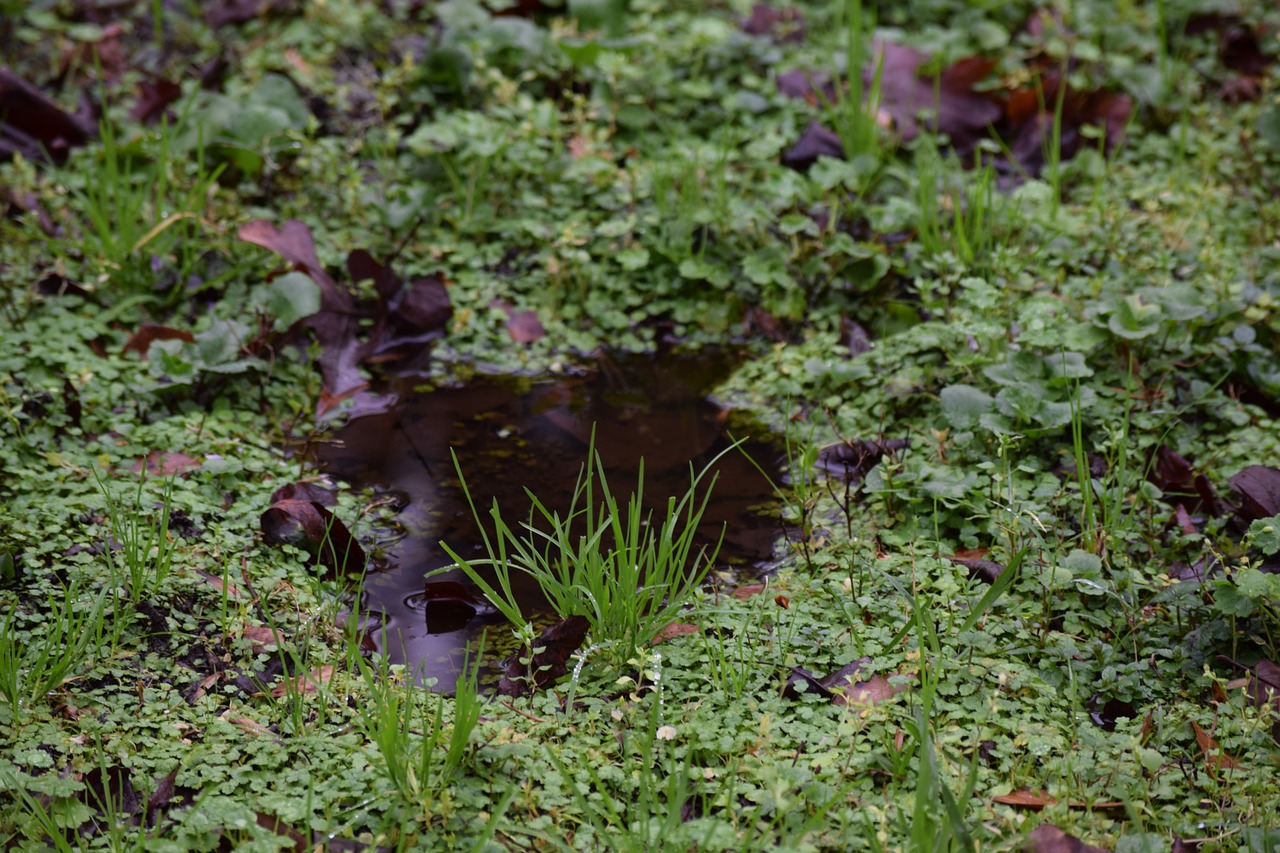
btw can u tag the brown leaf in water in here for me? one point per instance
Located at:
(308, 525)
(1047, 838)
(550, 655)
(141, 340)
(336, 324)
(448, 606)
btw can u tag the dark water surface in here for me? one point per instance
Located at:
(511, 433)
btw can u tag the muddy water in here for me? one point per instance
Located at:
(509, 434)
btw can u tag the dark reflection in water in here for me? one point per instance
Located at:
(511, 434)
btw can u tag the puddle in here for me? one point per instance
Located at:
(510, 433)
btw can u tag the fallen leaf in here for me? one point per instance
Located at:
(141, 340)
(162, 464)
(961, 113)
(34, 126)
(304, 491)
(816, 141)
(1047, 838)
(550, 656)
(308, 683)
(154, 96)
(986, 570)
(782, 26)
(671, 630)
(746, 591)
(851, 460)
(1259, 487)
(311, 527)
(1037, 800)
(1214, 757)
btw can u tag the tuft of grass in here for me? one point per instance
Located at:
(34, 665)
(607, 560)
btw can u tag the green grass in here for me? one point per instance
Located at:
(627, 570)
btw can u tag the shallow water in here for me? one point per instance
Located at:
(511, 433)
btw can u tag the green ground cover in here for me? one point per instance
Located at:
(1022, 352)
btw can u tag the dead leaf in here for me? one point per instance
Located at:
(34, 126)
(816, 141)
(746, 591)
(306, 684)
(165, 464)
(963, 114)
(550, 656)
(141, 340)
(986, 570)
(782, 26)
(852, 459)
(672, 630)
(1214, 758)
(308, 525)
(1037, 800)
(1047, 838)
(1259, 487)
(154, 96)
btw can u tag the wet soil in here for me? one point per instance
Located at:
(513, 433)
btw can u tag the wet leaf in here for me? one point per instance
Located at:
(746, 591)
(1047, 838)
(162, 464)
(551, 652)
(311, 527)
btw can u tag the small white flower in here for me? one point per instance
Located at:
(666, 733)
